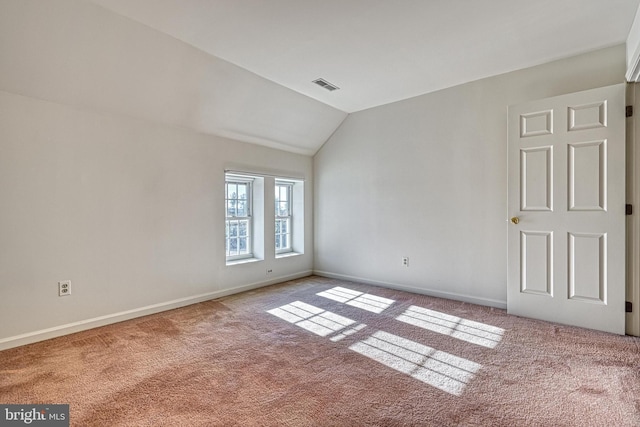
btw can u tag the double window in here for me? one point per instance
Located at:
(247, 205)
(238, 221)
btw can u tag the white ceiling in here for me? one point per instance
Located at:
(381, 51)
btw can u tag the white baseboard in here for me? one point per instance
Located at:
(430, 292)
(83, 325)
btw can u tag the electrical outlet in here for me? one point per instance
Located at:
(64, 288)
(269, 270)
(405, 261)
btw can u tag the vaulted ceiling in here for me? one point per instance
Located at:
(381, 51)
(243, 69)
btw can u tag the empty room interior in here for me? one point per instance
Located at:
(335, 213)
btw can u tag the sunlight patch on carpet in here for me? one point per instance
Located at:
(313, 319)
(456, 327)
(345, 333)
(437, 368)
(372, 303)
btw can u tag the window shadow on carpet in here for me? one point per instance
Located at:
(442, 370)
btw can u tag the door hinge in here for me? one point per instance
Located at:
(628, 209)
(628, 307)
(629, 111)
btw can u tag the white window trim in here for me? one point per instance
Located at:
(229, 178)
(289, 218)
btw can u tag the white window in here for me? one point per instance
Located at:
(238, 205)
(284, 209)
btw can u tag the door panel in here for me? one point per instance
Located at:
(536, 254)
(567, 189)
(587, 267)
(588, 176)
(536, 179)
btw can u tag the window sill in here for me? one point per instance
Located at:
(243, 261)
(287, 254)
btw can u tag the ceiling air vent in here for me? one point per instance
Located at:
(325, 84)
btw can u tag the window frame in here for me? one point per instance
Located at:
(288, 218)
(248, 218)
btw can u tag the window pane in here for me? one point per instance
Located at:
(233, 229)
(283, 193)
(242, 191)
(282, 209)
(242, 208)
(282, 200)
(243, 228)
(231, 208)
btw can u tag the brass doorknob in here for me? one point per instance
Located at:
(515, 220)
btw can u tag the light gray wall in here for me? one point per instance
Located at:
(111, 173)
(129, 210)
(427, 178)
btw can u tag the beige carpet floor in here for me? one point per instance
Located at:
(323, 352)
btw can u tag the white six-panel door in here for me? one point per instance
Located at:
(566, 207)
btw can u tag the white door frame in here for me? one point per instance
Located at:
(633, 221)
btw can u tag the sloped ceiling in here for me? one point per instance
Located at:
(80, 54)
(381, 51)
(243, 68)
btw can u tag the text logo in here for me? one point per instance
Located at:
(34, 415)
